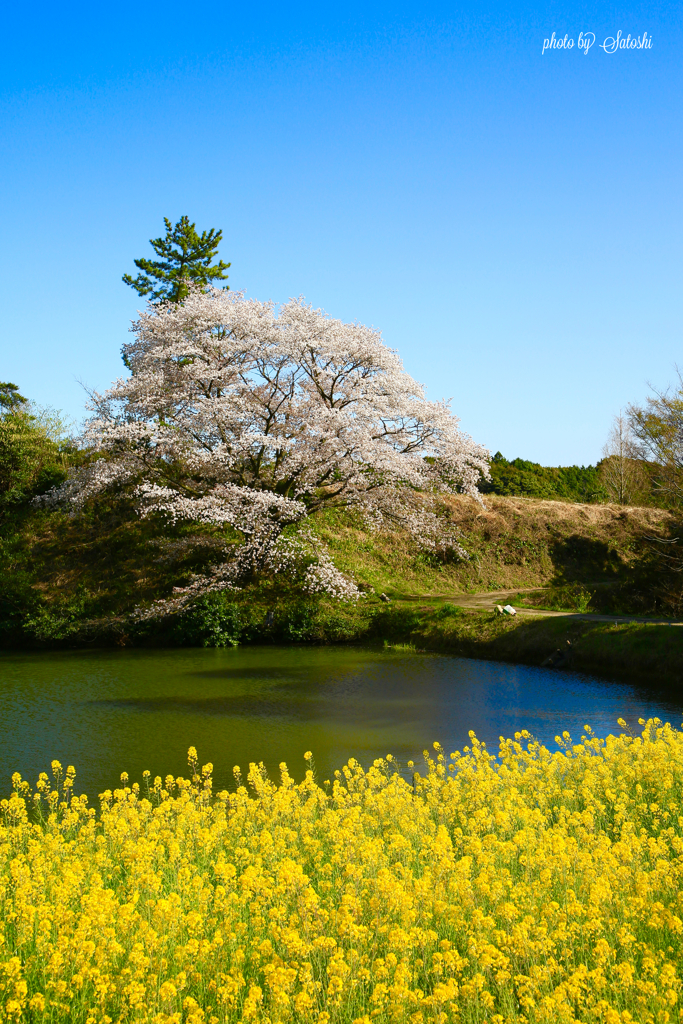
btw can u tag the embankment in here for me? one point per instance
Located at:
(75, 581)
(613, 649)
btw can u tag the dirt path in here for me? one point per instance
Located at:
(487, 600)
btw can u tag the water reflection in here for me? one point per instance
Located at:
(128, 710)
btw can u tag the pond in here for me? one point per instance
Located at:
(111, 711)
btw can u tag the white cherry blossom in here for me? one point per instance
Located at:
(240, 415)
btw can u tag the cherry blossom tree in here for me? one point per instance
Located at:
(244, 416)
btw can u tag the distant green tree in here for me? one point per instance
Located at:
(522, 478)
(185, 256)
(30, 460)
(10, 399)
(657, 432)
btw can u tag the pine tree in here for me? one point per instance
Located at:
(184, 256)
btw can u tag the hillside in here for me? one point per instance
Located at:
(517, 542)
(76, 579)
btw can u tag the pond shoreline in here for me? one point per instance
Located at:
(646, 651)
(139, 709)
(625, 650)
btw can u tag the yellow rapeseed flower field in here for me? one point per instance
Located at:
(526, 886)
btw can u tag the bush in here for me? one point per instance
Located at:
(573, 597)
(30, 462)
(62, 621)
(18, 600)
(212, 621)
(297, 623)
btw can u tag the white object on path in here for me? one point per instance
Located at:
(509, 610)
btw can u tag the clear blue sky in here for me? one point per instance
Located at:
(510, 220)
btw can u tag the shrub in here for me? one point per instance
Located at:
(212, 621)
(297, 622)
(63, 620)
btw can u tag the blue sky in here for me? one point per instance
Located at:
(510, 220)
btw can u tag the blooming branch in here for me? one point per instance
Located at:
(239, 416)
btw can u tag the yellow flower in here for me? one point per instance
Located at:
(532, 882)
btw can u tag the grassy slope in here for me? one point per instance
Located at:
(111, 561)
(513, 542)
(599, 551)
(79, 579)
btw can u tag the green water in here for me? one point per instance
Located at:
(109, 711)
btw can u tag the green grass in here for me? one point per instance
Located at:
(72, 581)
(634, 650)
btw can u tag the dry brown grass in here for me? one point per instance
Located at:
(513, 543)
(496, 509)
